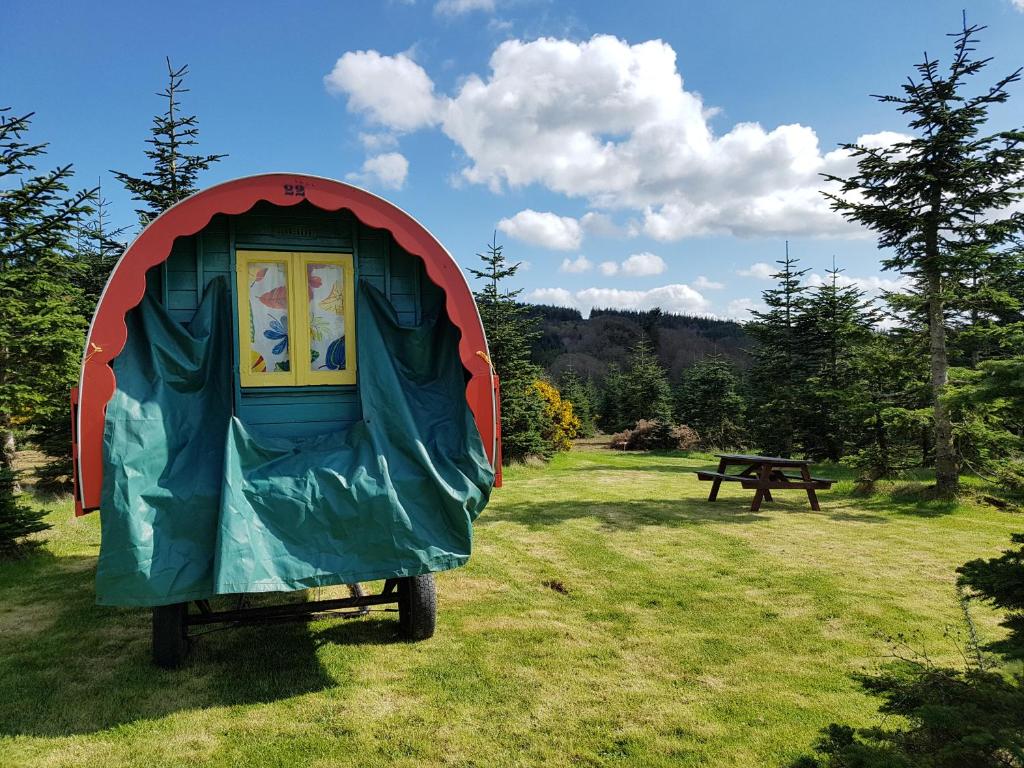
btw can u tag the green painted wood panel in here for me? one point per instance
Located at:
(198, 259)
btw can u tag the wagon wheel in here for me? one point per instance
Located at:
(170, 635)
(417, 606)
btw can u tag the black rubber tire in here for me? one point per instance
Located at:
(417, 607)
(170, 635)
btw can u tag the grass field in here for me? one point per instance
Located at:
(610, 616)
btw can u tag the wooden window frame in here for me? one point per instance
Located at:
(299, 342)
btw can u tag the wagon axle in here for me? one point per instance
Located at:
(414, 596)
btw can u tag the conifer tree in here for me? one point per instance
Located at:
(96, 250)
(41, 332)
(646, 393)
(98, 246)
(580, 393)
(611, 416)
(175, 169)
(708, 400)
(894, 402)
(510, 331)
(778, 377)
(835, 324)
(939, 201)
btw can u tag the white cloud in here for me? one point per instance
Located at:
(740, 309)
(560, 233)
(557, 296)
(1019, 5)
(459, 7)
(643, 265)
(703, 284)
(608, 268)
(760, 270)
(393, 91)
(375, 142)
(599, 224)
(388, 170)
(677, 298)
(872, 284)
(612, 123)
(576, 266)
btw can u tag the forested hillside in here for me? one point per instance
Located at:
(589, 345)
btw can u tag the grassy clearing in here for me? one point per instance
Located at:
(610, 616)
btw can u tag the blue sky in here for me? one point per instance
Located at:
(632, 154)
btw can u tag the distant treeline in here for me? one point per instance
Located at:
(588, 346)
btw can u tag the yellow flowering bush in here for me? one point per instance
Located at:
(561, 424)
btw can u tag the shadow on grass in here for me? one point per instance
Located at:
(68, 666)
(699, 463)
(631, 515)
(910, 498)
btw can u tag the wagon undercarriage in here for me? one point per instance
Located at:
(414, 599)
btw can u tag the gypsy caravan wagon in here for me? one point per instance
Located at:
(285, 385)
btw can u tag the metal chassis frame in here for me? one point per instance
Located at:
(340, 608)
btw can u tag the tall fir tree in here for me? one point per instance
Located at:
(510, 330)
(610, 413)
(581, 393)
(709, 401)
(41, 329)
(98, 246)
(836, 322)
(777, 379)
(939, 201)
(97, 249)
(646, 393)
(894, 401)
(175, 169)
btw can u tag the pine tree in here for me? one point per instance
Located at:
(97, 250)
(510, 331)
(98, 246)
(939, 200)
(580, 393)
(646, 392)
(611, 416)
(41, 330)
(777, 379)
(836, 322)
(894, 402)
(708, 400)
(175, 171)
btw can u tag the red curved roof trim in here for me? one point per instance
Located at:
(127, 285)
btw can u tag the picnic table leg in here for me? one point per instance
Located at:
(812, 497)
(718, 483)
(762, 480)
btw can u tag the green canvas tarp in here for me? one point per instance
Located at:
(195, 504)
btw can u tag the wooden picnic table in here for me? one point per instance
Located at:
(765, 474)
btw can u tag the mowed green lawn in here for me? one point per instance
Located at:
(609, 616)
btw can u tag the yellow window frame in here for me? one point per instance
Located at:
(299, 342)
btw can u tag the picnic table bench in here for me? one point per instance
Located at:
(765, 474)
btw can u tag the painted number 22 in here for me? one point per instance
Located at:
(295, 190)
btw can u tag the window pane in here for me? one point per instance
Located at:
(325, 284)
(268, 317)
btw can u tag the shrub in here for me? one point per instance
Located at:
(16, 520)
(971, 717)
(561, 425)
(954, 719)
(656, 434)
